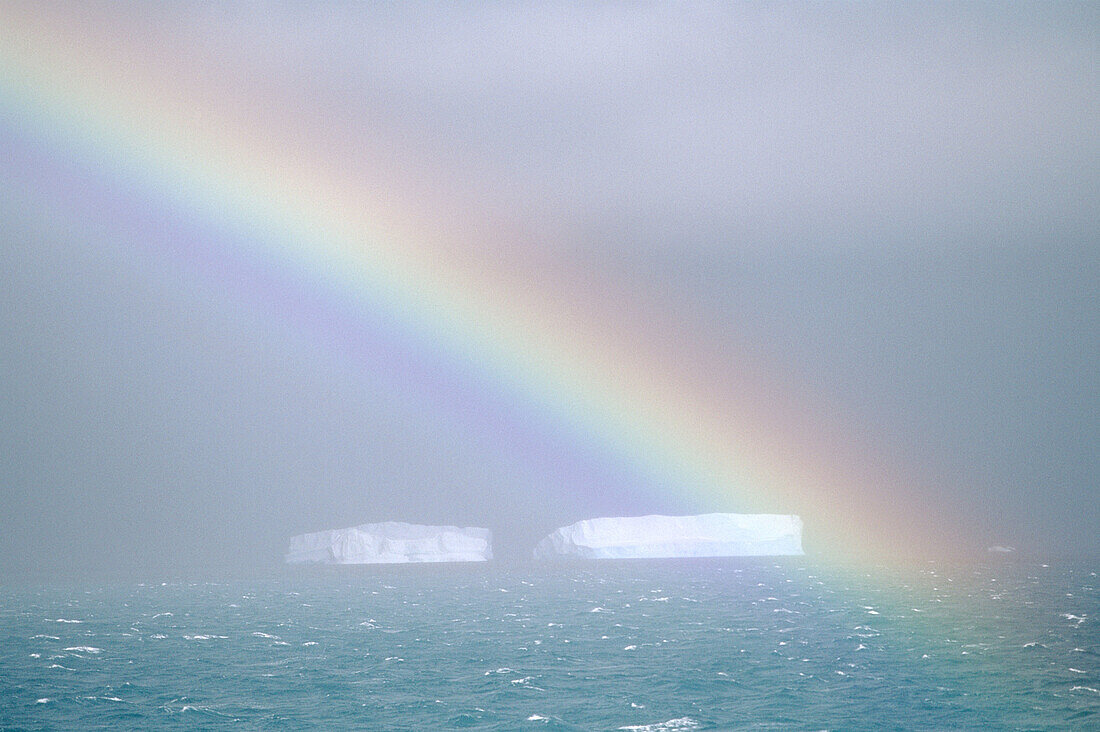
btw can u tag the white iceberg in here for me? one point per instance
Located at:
(706, 535)
(391, 542)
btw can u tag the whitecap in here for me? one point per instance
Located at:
(681, 723)
(1085, 688)
(538, 718)
(43, 635)
(63, 620)
(84, 649)
(258, 634)
(43, 700)
(194, 708)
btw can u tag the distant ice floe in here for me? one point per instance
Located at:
(705, 535)
(391, 542)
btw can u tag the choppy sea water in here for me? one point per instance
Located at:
(632, 645)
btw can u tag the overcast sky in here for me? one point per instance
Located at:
(896, 206)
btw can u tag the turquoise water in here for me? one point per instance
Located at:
(646, 645)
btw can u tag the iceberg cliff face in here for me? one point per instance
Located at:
(391, 542)
(707, 535)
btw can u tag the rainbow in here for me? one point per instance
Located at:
(701, 432)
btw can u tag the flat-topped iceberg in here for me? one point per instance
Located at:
(706, 535)
(391, 542)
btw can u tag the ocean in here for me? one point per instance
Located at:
(611, 645)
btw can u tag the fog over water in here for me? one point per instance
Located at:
(891, 211)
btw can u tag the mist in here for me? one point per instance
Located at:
(893, 208)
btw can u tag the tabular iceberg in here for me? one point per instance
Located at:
(707, 535)
(391, 542)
